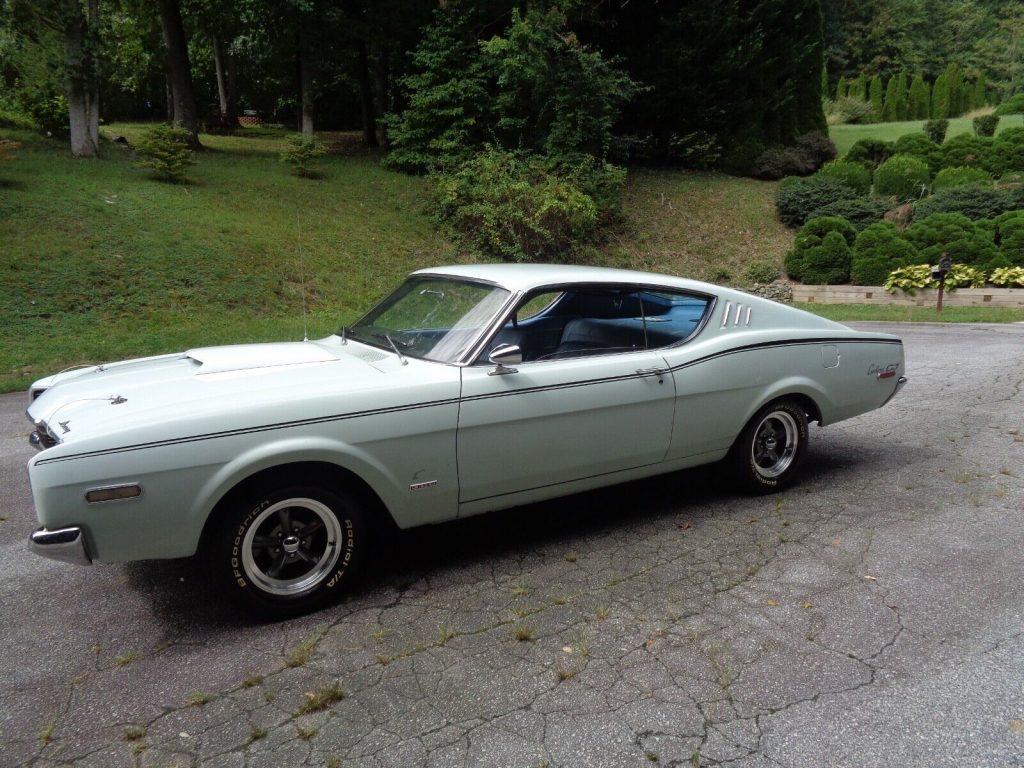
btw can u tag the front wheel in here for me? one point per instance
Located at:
(768, 453)
(286, 551)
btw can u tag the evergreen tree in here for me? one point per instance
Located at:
(861, 87)
(941, 97)
(900, 108)
(875, 96)
(891, 98)
(918, 106)
(841, 88)
(979, 95)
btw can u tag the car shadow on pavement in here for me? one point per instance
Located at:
(180, 594)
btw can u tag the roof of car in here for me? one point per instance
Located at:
(524, 277)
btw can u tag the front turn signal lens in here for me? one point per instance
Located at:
(113, 493)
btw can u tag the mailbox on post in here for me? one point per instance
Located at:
(939, 273)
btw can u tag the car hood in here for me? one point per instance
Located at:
(115, 395)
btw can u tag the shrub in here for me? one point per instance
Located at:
(973, 202)
(869, 152)
(902, 176)
(1009, 237)
(302, 153)
(796, 199)
(697, 149)
(521, 207)
(1008, 277)
(960, 177)
(964, 276)
(936, 129)
(985, 125)
(966, 151)
(953, 235)
(920, 146)
(828, 263)
(164, 151)
(1012, 106)
(779, 162)
(761, 272)
(854, 175)
(1008, 151)
(812, 235)
(861, 212)
(877, 251)
(850, 111)
(817, 147)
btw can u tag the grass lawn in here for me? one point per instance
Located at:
(848, 312)
(101, 263)
(845, 136)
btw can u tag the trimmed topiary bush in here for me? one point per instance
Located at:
(1012, 106)
(877, 251)
(966, 151)
(1008, 151)
(854, 175)
(861, 212)
(973, 202)
(960, 177)
(936, 129)
(920, 146)
(869, 152)
(811, 235)
(935, 235)
(828, 263)
(797, 198)
(985, 125)
(903, 177)
(1009, 237)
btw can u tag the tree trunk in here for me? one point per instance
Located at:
(179, 70)
(93, 91)
(305, 73)
(381, 71)
(81, 80)
(220, 69)
(366, 96)
(169, 89)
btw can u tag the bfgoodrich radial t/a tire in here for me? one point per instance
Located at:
(286, 551)
(769, 452)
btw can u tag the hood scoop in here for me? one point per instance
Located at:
(244, 357)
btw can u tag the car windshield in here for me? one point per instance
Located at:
(434, 318)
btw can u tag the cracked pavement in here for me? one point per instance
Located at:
(870, 616)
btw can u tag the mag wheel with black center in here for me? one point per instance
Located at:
(287, 551)
(769, 452)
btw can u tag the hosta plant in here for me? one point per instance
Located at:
(910, 279)
(1008, 277)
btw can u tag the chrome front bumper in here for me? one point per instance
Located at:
(65, 544)
(900, 382)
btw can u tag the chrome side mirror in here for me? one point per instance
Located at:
(503, 356)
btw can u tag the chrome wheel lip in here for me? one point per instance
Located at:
(317, 571)
(783, 447)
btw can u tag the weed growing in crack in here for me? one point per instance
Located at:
(383, 659)
(124, 658)
(301, 654)
(134, 732)
(603, 612)
(524, 634)
(257, 733)
(379, 634)
(45, 735)
(305, 733)
(253, 681)
(520, 591)
(444, 634)
(571, 557)
(652, 757)
(322, 699)
(333, 762)
(199, 699)
(565, 673)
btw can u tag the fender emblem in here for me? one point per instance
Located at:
(422, 486)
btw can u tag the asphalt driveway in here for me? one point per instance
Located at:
(871, 616)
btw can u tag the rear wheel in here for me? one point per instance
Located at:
(286, 551)
(768, 453)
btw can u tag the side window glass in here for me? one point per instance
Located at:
(671, 317)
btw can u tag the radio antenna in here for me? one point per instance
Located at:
(302, 276)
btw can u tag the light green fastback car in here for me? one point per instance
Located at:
(468, 389)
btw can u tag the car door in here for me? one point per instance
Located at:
(577, 413)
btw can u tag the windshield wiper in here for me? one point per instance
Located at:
(394, 346)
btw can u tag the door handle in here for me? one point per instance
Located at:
(659, 372)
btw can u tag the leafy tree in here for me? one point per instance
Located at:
(875, 95)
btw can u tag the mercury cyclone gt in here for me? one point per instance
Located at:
(468, 389)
